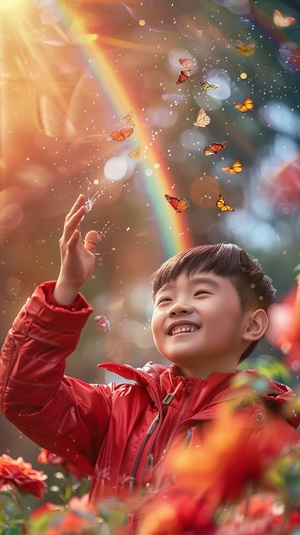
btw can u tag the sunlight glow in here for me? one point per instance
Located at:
(7, 5)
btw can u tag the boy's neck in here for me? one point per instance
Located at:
(204, 371)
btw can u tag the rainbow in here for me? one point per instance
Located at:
(172, 227)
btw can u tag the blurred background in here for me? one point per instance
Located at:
(77, 74)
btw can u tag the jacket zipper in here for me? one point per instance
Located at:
(150, 458)
(149, 432)
(166, 401)
(182, 411)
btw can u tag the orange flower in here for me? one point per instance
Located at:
(20, 474)
(228, 461)
(175, 513)
(47, 457)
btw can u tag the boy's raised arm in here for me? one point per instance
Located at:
(60, 413)
(77, 256)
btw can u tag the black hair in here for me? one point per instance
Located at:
(254, 288)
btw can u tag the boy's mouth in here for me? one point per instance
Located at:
(183, 328)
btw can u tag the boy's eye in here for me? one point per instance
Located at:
(163, 300)
(200, 292)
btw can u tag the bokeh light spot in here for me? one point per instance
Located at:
(115, 168)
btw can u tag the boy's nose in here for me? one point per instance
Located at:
(179, 309)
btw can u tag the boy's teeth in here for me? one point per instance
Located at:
(183, 329)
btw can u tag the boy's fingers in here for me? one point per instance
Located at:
(78, 204)
(73, 220)
(72, 242)
(91, 241)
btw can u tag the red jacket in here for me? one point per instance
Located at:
(118, 434)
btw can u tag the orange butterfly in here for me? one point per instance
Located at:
(207, 86)
(120, 135)
(246, 50)
(247, 105)
(186, 63)
(233, 169)
(183, 77)
(202, 119)
(179, 205)
(282, 21)
(135, 153)
(214, 148)
(221, 204)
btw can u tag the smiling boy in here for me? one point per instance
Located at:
(198, 323)
(210, 310)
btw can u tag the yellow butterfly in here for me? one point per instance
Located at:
(128, 119)
(282, 21)
(202, 119)
(246, 50)
(247, 105)
(233, 169)
(135, 153)
(207, 86)
(222, 206)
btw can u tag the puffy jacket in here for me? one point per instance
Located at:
(118, 434)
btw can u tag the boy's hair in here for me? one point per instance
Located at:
(254, 288)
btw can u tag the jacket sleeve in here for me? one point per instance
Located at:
(62, 414)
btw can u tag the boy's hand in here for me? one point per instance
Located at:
(77, 256)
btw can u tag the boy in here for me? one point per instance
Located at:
(210, 309)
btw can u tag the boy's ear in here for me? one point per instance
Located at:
(257, 325)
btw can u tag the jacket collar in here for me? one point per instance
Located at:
(159, 379)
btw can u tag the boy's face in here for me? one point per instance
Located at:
(198, 324)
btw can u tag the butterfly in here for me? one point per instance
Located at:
(221, 204)
(185, 74)
(202, 119)
(179, 205)
(135, 153)
(183, 77)
(120, 135)
(246, 50)
(186, 63)
(103, 323)
(233, 169)
(214, 148)
(52, 121)
(207, 86)
(128, 119)
(282, 21)
(247, 105)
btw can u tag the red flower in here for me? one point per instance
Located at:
(82, 505)
(284, 330)
(73, 523)
(47, 457)
(77, 517)
(46, 508)
(20, 474)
